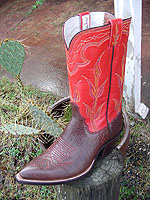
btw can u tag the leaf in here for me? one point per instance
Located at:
(44, 122)
(34, 7)
(40, 2)
(12, 56)
(17, 129)
(101, 88)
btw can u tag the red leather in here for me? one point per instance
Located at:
(89, 64)
(116, 31)
(118, 73)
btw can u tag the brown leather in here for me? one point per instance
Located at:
(72, 154)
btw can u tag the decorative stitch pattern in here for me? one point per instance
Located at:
(116, 36)
(71, 60)
(77, 57)
(125, 28)
(59, 154)
(76, 94)
(81, 48)
(120, 83)
(96, 92)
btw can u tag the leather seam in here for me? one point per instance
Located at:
(110, 76)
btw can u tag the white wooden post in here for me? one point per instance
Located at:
(132, 84)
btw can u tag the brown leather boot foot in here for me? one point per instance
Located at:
(72, 155)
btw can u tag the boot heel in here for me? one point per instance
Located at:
(109, 147)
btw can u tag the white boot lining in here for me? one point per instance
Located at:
(73, 25)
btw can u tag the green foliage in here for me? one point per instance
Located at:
(34, 6)
(16, 153)
(44, 122)
(46, 193)
(24, 111)
(68, 113)
(128, 193)
(37, 3)
(65, 116)
(12, 55)
(12, 58)
(16, 150)
(10, 100)
(17, 129)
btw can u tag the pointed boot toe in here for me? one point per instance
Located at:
(72, 155)
(32, 173)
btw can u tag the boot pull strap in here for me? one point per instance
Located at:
(85, 19)
(116, 31)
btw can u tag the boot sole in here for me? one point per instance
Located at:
(105, 150)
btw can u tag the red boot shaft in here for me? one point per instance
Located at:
(96, 60)
(118, 68)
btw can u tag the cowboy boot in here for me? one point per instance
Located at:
(96, 46)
